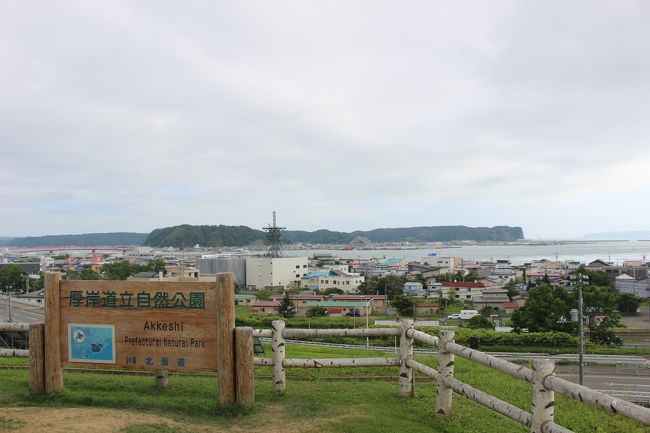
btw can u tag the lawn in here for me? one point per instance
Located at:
(315, 401)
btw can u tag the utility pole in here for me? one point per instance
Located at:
(579, 279)
(10, 320)
(581, 356)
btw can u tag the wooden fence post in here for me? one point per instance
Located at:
(543, 398)
(405, 353)
(245, 381)
(225, 301)
(52, 333)
(36, 359)
(445, 370)
(161, 380)
(278, 348)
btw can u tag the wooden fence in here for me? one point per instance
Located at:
(542, 376)
(18, 328)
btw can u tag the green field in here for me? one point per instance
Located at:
(315, 401)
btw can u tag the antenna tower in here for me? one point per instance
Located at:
(273, 239)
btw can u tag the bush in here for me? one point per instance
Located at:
(486, 337)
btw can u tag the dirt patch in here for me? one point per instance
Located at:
(77, 420)
(272, 419)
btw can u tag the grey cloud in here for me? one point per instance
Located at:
(341, 115)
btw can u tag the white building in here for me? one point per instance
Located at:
(626, 284)
(321, 280)
(265, 272)
(450, 264)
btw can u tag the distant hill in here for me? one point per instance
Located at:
(121, 238)
(208, 236)
(4, 241)
(237, 236)
(631, 235)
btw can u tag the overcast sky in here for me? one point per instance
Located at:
(135, 115)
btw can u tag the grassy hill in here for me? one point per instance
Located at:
(316, 400)
(238, 236)
(119, 238)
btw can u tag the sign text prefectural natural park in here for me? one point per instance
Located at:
(148, 325)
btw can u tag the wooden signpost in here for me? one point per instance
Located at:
(156, 326)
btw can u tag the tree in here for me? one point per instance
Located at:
(390, 285)
(479, 321)
(316, 311)
(88, 274)
(488, 311)
(511, 287)
(287, 308)
(38, 284)
(628, 304)
(71, 274)
(12, 279)
(600, 308)
(121, 270)
(333, 290)
(404, 305)
(546, 309)
(596, 278)
(157, 265)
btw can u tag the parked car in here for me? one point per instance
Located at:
(467, 314)
(455, 316)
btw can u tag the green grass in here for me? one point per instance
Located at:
(151, 428)
(8, 424)
(311, 396)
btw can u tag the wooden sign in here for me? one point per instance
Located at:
(152, 325)
(139, 325)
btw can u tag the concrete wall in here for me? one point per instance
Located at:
(218, 264)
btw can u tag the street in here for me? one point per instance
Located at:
(20, 312)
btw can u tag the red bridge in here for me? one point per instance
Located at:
(72, 248)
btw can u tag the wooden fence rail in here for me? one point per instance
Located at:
(14, 327)
(14, 353)
(544, 382)
(542, 377)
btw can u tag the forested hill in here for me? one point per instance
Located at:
(83, 239)
(217, 236)
(207, 236)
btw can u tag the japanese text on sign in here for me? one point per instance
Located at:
(126, 299)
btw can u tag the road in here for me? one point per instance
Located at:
(20, 312)
(634, 388)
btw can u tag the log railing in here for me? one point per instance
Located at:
(14, 327)
(542, 376)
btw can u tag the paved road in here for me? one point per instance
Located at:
(20, 312)
(626, 387)
(589, 358)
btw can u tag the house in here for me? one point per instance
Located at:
(266, 308)
(413, 288)
(491, 298)
(426, 309)
(597, 264)
(242, 299)
(461, 290)
(627, 284)
(300, 300)
(379, 301)
(510, 307)
(338, 307)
